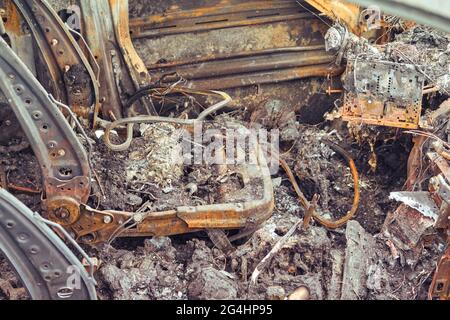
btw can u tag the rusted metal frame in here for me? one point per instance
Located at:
(341, 11)
(18, 38)
(274, 76)
(379, 102)
(216, 216)
(273, 61)
(134, 64)
(440, 286)
(38, 255)
(211, 18)
(73, 79)
(122, 71)
(233, 55)
(62, 159)
(99, 35)
(354, 103)
(223, 7)
(96, 227)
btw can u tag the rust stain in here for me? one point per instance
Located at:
(13, 23)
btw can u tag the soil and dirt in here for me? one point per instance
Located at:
(10, 286)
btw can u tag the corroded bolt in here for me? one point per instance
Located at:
(87, 238)
(107, 219)
(61, 152)
(61, 213)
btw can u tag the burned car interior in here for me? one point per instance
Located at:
(224, 149)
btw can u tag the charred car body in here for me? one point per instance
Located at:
(88, 84)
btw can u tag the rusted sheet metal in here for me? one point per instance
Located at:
(365, 110)
(227, 14)
(406, 226)
(63, 161)
(273, 76)
(234, 55)
(383, 93)
(258, 63)
(96, 16)
(440, 287)
(122, 70)
(134, 64)
(18, 39)
(340, 10)
(72, 78)
(13, 20)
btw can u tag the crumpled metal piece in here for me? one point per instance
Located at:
(421, 201)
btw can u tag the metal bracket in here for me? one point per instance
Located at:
(43, 262)
(73, 79)
(120, 72)
(62, 158)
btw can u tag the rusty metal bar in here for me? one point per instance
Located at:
(274, 76)
(97, 16)
(229, 15)
(233, 55)
(135, 66)
(242, 66)
(62, 159)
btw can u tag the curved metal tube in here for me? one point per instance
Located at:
(130, 122)
(310, 206)
(340, 222)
